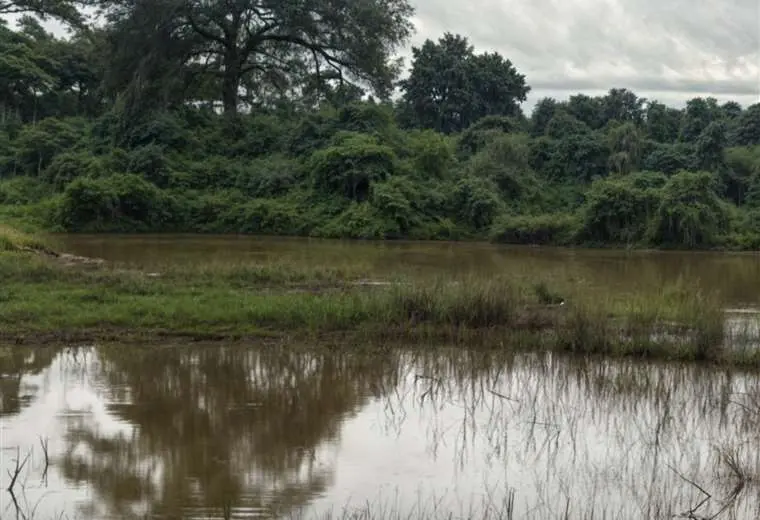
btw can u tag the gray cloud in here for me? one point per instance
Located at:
(676, 49)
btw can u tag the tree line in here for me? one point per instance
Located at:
(292, 117)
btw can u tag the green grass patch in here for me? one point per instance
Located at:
(44, 297)
(11, 239)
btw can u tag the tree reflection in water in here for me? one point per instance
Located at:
(15, 363)
(217, 429)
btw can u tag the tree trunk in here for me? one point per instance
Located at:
(230, 83)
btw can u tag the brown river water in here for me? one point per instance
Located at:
(230, 431)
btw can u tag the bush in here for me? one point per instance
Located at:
(265, 217)
(690, 214)
(151, 163)
(359, 220)
(394, 200)
(476, 202)
(618, 211)
(432, 154)
(485, 130)
(117, 203)
(37, 145)
(351, 165)
(22, 190)
(549, 229)
(505, 160)
(69, 165)
(269, 176)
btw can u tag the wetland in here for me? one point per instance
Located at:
(239, 377)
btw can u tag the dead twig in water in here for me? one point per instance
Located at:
(17, 471)
(44, 444)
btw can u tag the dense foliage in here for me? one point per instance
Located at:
(277, 117)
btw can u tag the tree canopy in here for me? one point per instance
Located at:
(263, 116)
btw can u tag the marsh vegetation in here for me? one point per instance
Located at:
(53, 298)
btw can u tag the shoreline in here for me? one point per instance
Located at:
(49, 301)
(485, 241)
(50, 297)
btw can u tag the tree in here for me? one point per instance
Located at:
(699, 113)
(747, 127)
(622, 105)
(662, 122)
(731, 110)
(64, 10)
(23, 74)
(543, 113)
(586, 109)
(711, 145)
(260, 41)
(625, 148)
(617, 211)
(450, 87)
(691, 213)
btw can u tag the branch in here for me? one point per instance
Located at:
(319, 49)
(205, 33)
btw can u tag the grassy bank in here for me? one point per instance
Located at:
(45, 297)
(11, 239)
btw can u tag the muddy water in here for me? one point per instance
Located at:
(241, 432)
(736, 276)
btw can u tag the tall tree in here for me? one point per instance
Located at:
(543, 113)
(621, 104)
(450, 87)
(699, 113)
(64, 10)
(236, 40)
(662, 122)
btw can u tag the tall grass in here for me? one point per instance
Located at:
(12, 239)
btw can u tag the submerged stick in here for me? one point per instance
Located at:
(19, 467)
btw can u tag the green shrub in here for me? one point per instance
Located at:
(67, 166)
(690, 214)
(352, 165)
(549, 229)
(122, 202)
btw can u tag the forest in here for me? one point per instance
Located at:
(294, 117)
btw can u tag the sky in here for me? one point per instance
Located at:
(668, 50)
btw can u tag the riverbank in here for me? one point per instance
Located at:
(48, 297)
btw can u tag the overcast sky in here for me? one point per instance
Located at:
(670, 50)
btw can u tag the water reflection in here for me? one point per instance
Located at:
(14, 364)
(223, 432)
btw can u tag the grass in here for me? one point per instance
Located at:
(11, 239)
(44, 299)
